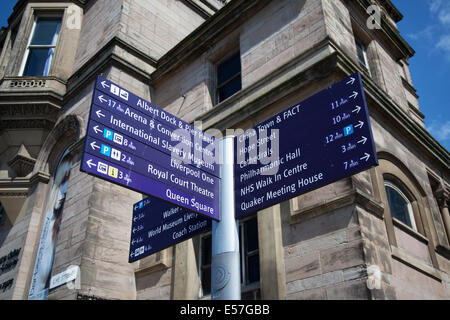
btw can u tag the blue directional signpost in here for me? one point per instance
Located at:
(135, 144)
(158, 225)
(321, 140)
(131, 142)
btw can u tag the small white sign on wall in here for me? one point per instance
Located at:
(61, 278)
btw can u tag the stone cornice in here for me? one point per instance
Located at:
(389, 31)
(410, 88)
(396, 15)
(242, 104)
(399, 117)
(21, 185)
(20, 5)
(203, 11)
(105, 58)
(349, 198)
(206, 35)
(318, 61)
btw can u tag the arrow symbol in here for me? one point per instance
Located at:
(363, 141)
(104, 85)
(357, 110)
(90, 163)
(102, 99)
(359, 125)
(354, 95)
(94, 146)
(366, 157)
(352, 81)
(100, 114)
(96, 129)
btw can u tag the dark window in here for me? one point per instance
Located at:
(205, 264)
(399, 205)
(229, 77)
(249, 251)
(249, 255)
(42, 46)
(362, 54)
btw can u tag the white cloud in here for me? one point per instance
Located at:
(444, 43)
(439, 32)
(444, 46)
(440, 9)
(444, 16)
(441, 131)
(427, 33)
(434, 5)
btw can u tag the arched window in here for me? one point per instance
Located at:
(399, 205)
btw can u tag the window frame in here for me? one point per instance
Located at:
(244, 256)
(201, 267)
(390, 184)
(230, 79)
(30, 47)
(360, 45)
(252, 288)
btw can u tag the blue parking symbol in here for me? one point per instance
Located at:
(348, 130)
(108, 134)
(106, 150)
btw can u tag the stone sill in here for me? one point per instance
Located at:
(415, 263)
(164, 262)
(410, 231)
(244, 289)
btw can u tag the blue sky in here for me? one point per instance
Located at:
(426, 26)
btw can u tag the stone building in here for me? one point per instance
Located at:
(230, 64)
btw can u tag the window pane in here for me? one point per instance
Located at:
(206, 281)
(398, 206)
(253, 268)
(252, 235)
(361, 53)
(229, 68)
(251, 295)
(38, 63)
(46, 31)
(206, 251)
(240, 252)
(230, 89)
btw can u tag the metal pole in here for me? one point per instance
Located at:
(225, 262)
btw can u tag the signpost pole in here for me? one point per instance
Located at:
(225, 262)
